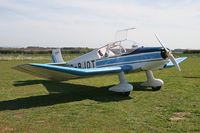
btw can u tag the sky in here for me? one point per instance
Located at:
(93, 23)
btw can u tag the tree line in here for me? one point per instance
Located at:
(68, 50)
(191, 51)
(41, 50)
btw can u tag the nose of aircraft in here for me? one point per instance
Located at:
(167, 53)
(163, 53)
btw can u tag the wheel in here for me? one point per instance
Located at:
(156, 88)
(126, 93)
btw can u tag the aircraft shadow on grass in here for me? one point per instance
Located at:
(62, 92)
(192, 77)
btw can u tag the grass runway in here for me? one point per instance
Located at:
(30, 104)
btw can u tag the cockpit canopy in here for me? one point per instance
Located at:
(117, 48)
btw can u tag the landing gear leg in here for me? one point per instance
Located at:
(152, 82)
(123, 87)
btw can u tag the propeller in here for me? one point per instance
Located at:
(169, 54)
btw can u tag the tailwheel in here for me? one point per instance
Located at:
(157, 88)
(126, 93)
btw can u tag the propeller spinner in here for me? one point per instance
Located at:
(169, 54)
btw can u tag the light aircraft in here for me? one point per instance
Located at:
(112, 58)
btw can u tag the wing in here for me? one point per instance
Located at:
(61, 73)
(178, 60)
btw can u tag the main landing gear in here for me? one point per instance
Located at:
(123, 87)
(152, 82)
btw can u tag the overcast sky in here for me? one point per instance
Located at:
(93, 23)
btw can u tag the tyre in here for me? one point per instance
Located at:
(126, 93)
(157, 88)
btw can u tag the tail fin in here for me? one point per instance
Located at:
(56, 56)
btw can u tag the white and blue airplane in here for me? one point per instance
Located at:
(112, 58)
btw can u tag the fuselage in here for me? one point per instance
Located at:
(137, 59)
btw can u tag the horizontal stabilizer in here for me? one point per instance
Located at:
(178, 60)
(62, 73)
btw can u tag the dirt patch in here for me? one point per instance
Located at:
(7, 129)
(19, 115)
(179, 116)
(41, 121)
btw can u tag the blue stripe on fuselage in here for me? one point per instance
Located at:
(129, 58)
(146, 50)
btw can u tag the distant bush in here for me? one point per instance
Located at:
(191, 51)
(40, 50)
(23, 52)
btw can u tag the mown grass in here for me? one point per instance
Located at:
(30, 104)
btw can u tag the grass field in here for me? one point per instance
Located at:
(29, 104)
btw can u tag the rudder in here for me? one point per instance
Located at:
(56, 56)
